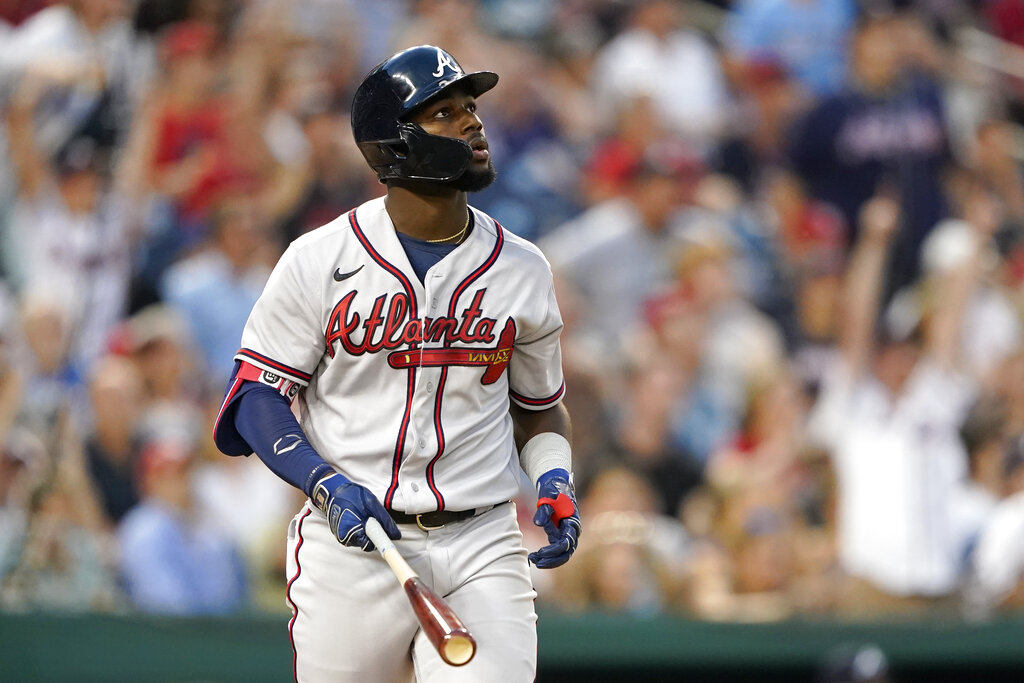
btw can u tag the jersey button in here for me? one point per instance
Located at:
(430, 386)
(423, 444)
(415, 488)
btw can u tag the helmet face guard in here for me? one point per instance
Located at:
(390, 93)
(417, 155)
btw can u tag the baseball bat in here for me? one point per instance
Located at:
(446, 632)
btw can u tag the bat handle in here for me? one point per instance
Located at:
(375, 532)
(386, 547)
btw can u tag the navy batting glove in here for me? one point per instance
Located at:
(347, 506)
(558, 515)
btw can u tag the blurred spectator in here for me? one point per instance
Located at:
(111, 447)
(991, 329)
(199, 139)
(656, 42)
(172, 561)
(618, 493)
(812, 248)
(638, 134)
(884, 133)
(736, 345)
(889, 413)
(51, 381)
(11, 375)
(22, 468)
(618, 253)
(157, 340)
(995, 163)
(95, 66)
(455, 26)
(572, 43)
(255, 517)
(634, 555)
(758, 264)
(984, 437)
(71, 229)
(215, 289)
(767, 100)
(189, 119)
(752, 562)
(997, 568)
(1005, 18)
(807, 37)
(66, 557)
(707, 582)
(811, 233)
(178, 145)
(337, 175)
(762, 462)
(763, 560)
(772, 516)
(617, 575)
(537, 188)
(658, 387)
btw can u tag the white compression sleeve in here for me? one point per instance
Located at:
(545, 452)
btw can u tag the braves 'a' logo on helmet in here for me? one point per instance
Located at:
(445, 61)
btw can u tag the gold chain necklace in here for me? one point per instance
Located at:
(456, 236)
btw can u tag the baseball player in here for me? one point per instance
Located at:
(420, 341)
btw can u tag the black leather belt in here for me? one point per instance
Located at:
(428, 521)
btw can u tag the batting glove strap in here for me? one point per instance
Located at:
(347, 506)
(558, 515)
(561, 507)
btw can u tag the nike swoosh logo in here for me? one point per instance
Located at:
(287, 448)
(339, 276)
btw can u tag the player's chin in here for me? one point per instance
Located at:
(478, 176)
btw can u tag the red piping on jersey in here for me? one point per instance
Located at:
(538, 401)
(410, 392)
(383, 263)
(288, 595)
(280, 367)
(396, 461)
(452, 305)
(484, 267)
(227, 401)
(439, 431)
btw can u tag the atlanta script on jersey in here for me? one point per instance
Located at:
(406, 384)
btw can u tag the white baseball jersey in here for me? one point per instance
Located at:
(407, 384)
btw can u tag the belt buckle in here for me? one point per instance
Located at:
(424, 527)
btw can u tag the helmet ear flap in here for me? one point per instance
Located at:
(386, 157)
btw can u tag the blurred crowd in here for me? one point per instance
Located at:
(787, 235)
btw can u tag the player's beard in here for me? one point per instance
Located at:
(474, 181)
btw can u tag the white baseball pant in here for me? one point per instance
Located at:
(352, 621)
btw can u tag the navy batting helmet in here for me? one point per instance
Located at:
(395, 88)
